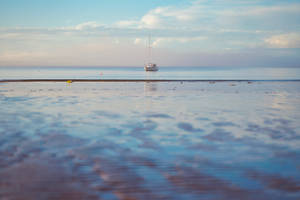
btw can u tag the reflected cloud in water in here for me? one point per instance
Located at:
(149, 141)
(150, 87)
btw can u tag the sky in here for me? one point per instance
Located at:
(258, 33)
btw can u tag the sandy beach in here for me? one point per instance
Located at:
(150, 140)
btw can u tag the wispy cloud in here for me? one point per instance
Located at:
(233, 21)
(87, 25)
(198, 19)
(290, 40)
(169, 41)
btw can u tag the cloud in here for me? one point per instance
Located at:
(150, 21)
(290, 40)
(22, 57)
(166, 17)
(126, 23)
(215, 15)
(138, 41)
(87, 25)
(22, 54)
(235, 24)
(262, 17)
(167, 41)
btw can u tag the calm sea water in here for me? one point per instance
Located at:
(190, 73)
(150, 140)
(170, 140)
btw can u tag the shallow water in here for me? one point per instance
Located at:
(200, 140)
(170, 73)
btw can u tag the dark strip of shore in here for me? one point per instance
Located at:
(135, 80)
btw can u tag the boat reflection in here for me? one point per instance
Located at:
(150, 87)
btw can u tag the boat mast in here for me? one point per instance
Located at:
(149, 49)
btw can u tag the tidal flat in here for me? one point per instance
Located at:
(150, 140)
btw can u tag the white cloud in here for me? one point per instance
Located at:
(127, 23)
(269, 10)
(290, 40)
(199, 18)
(268, 18)
(166, 41)
(138, 41)
(215, 16)
(167, 17)
(181, 14)
(22, 57)
(4, 36)
(150, 20)
(87, 25)
(12, 55)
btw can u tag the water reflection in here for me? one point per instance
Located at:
(150, 87)
(149, 141)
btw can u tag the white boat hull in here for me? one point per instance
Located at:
(151, 67)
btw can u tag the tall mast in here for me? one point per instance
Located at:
(149, 49)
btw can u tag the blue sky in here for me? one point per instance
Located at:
(185, 32)
(52, 13)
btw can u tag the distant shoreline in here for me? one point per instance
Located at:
(141, 80)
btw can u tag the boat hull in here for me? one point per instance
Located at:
(151, 67)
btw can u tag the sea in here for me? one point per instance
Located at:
(170, 73)
(153, 140)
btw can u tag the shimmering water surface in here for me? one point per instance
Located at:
(173, 73)
(199, 140)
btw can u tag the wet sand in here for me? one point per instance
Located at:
(150, 140)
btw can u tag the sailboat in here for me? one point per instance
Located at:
(150, 66)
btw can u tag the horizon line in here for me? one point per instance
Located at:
(141, 66)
